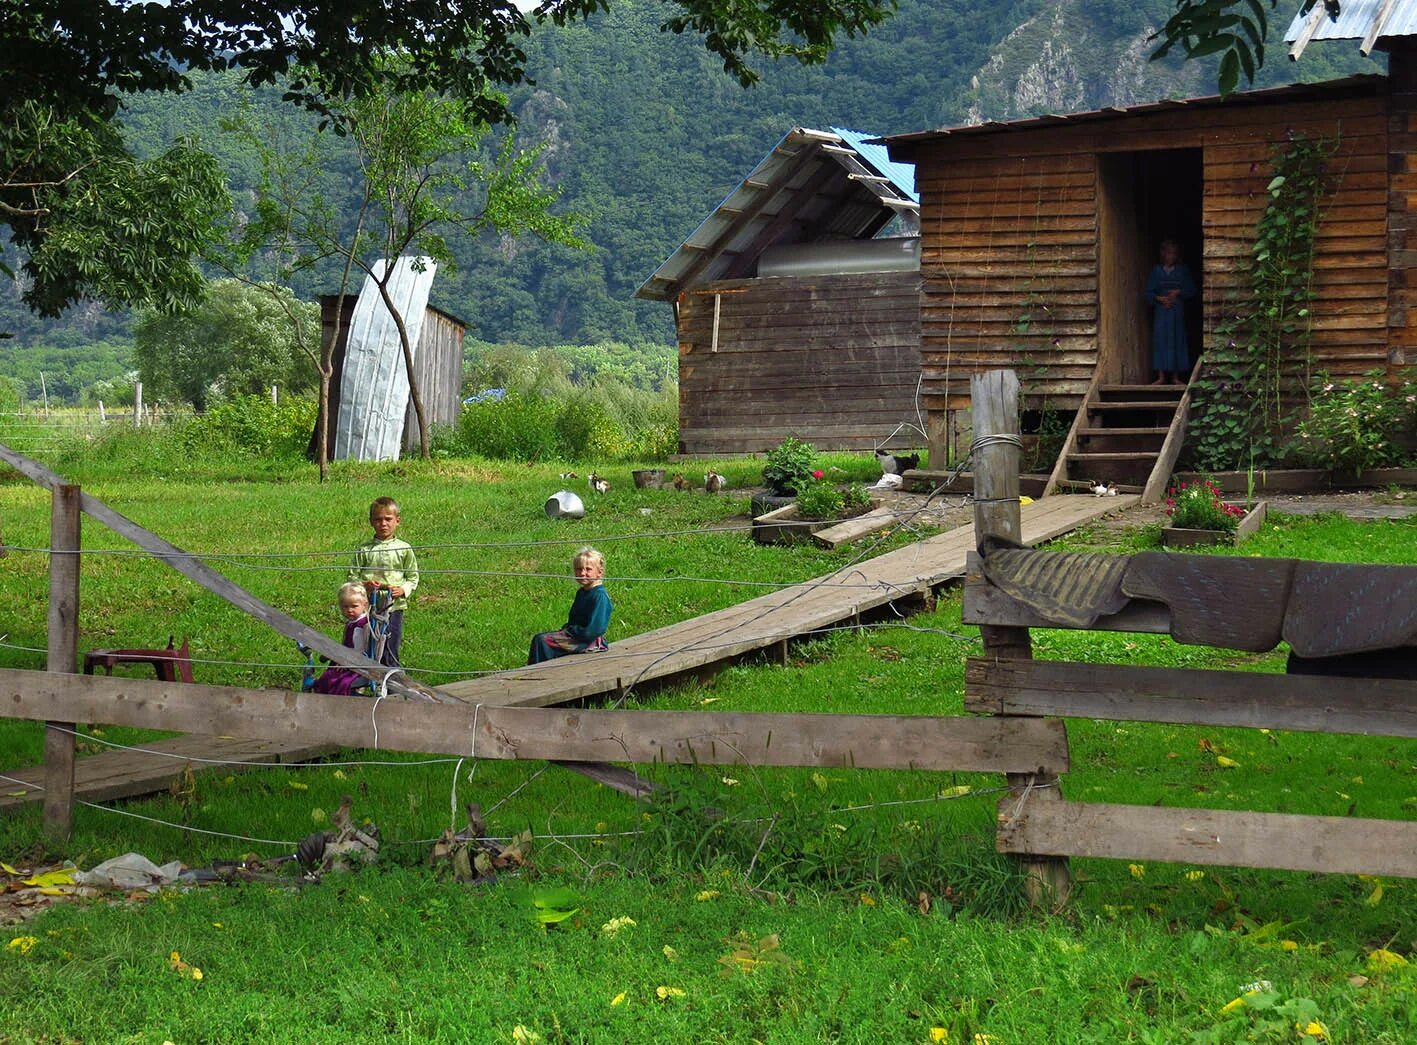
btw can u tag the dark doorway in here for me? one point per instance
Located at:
(1144, 197)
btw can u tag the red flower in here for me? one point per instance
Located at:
(819, 474)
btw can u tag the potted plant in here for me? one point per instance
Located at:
(1201, 516)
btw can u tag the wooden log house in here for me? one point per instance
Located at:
(1038, 234)
(797, 303)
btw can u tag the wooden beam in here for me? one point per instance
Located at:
(195, 569)
(1128, 693)
(749, 212)
(971, 745)
(998, 515)
(1171, 448)
(1330, 844)
(782, 219)
(65, 543)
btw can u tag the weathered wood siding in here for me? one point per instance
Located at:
(834, 360)
(1010, 255)
(438, 363)
(1009, 266)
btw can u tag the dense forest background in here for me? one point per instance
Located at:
(643, 134)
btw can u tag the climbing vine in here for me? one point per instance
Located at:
(1256, 378)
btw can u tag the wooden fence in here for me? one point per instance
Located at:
(1008, 590)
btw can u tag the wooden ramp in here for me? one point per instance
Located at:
(764, 622)
(124, 774)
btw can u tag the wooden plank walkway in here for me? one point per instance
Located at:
(764, 622)
(124, 774)
(690, 645)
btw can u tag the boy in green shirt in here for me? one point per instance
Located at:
(385, 561)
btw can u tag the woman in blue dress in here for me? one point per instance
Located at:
(1168, 285)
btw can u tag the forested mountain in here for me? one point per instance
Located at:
(643, 134)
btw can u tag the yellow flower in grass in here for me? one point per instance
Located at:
(1312, 1029)
(1137, 870)
(1194, 876)
(706, 895)
(1381, 960)
(665, 993)
(613, 926)
(619, 999)
(23, 944)
(939, 1034)
(522, 1036)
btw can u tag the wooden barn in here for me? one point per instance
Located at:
(1038, 234)
(797, 304)
(437, 362)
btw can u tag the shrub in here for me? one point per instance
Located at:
(1199, 506)
(789, 465)
(252, 425)
(1360, 425)
(586, 431)
(517, 427)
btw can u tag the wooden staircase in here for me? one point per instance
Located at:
(1125, 435)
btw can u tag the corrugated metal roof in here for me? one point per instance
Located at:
(902, 175)
(1355, 20)
(1363, 84)
(813, 185)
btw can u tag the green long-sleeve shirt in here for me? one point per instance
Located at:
(389, 562)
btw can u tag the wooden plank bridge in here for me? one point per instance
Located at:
(903, 578)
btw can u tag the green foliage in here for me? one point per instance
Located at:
(239, 340)
(856, 498)
(1248, 386)
(789, 465)
(1233, 29)
(251, 426)
(518, 427)
(9, 394)
(92, 220)
(819, 500)
(69, 364)
(1365, 424)
(1201, 506)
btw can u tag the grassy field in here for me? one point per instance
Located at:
(791, 913)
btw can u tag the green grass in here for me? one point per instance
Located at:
(398, 953)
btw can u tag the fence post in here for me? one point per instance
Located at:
(64, 533)
(137, 404)
(994, 404)
(102, 416)
(275, 395)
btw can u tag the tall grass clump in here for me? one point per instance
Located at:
(549, 404)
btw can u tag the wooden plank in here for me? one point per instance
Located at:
(712, 738)
(1129, 693)
(854, 529)
(994, 398)
(986, 604)
(128, 774)
(65, 542)
(1171, 449)
(196, 570)
(1330, 844)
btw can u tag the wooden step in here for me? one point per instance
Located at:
(1175, 390)
(1165, 407)
(1084, 433)
(1083, 486)
(1139, 455)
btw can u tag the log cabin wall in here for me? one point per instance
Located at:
(438, 363)
(1016, 272)
(834, 360)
